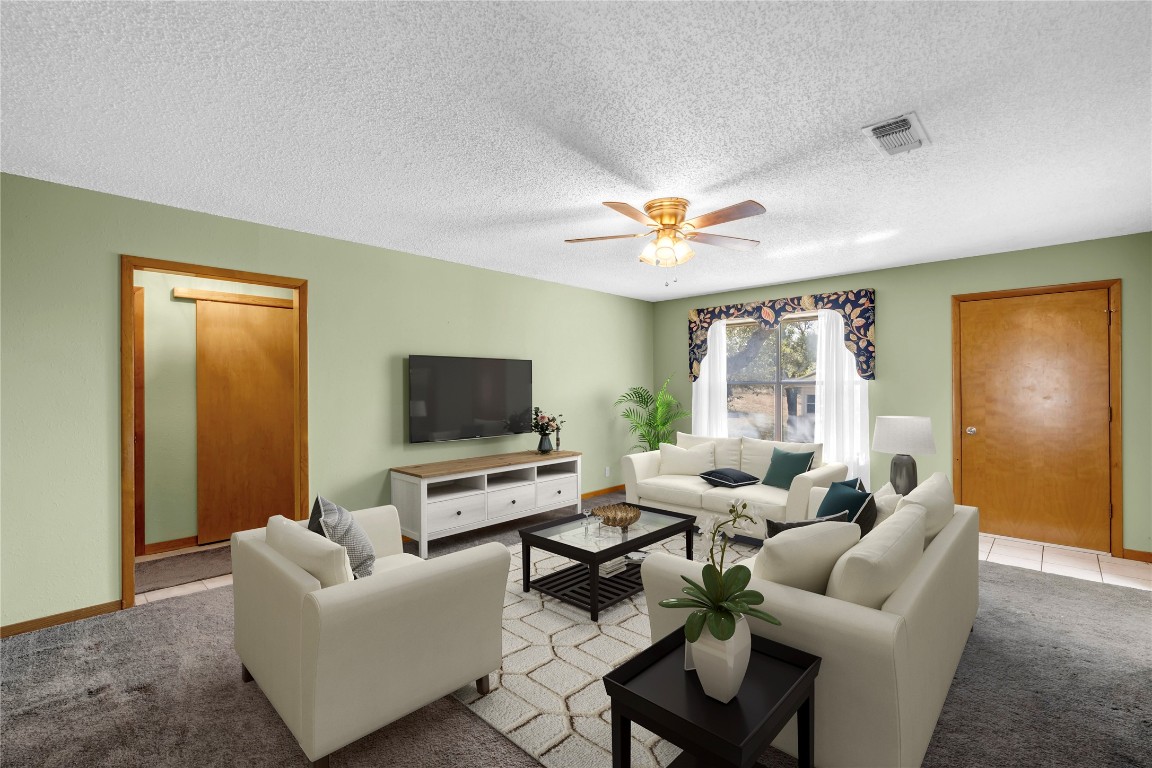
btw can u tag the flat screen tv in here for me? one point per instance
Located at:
(459, 398)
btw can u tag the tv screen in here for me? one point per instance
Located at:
(459, 398)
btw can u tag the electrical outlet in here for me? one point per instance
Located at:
(607, 472)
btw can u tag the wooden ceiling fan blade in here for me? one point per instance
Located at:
(731, 213)
(633, 213)
(735, 243)
(605, 237)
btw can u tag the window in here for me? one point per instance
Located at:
(771, 387)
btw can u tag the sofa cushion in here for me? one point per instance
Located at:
(936, 496)
(804, 557)
(684, 490)
(872, 570)
(335, 523)
(326, 560)
(784, 467)
(727, 448)
(772, 527)
(675, 460)
(728, 477)
(886, 501)
(859, 505)
(756, 455)
(393, 562)
(764, 501)
(854, 483)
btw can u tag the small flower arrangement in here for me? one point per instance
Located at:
(543, 424)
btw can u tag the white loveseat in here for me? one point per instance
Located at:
(341, 661)
(885, 671)
(646, 484)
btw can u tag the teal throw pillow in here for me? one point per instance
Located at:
(859, 505)
(785, 466)
(854, 483)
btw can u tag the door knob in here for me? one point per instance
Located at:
(971, 430)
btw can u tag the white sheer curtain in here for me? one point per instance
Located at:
(710, 390)
(841, 398)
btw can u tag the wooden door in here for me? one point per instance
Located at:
(1034, 415)
(246, 415)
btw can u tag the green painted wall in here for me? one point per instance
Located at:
(914, 343)
(170, 399)
(369, 309)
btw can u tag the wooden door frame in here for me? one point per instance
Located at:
(129, 265)
(1116, 423)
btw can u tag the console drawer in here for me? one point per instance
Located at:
(508, 501)
(450, 513)
(554, 491)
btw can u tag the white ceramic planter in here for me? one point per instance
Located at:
(721, 664)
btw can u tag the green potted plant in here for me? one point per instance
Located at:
(720, 604)
(650, 416)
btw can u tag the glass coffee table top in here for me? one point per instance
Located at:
(594, 536)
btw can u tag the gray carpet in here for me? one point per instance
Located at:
(182, 569)
(1056, 673)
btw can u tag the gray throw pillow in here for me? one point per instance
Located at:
(337, 524)
(774, 527)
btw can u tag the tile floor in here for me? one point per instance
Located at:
(1064, 561)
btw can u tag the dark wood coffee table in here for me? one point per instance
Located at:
(581, 584)
(652, 689)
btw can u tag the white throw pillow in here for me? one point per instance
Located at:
(804, 557)
(886, 501)
(326, 560)
(727, 448)
(936, 496)
(868, 573)
(675, 460)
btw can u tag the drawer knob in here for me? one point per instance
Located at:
(458, 512)
(513, 501)
(559, 492)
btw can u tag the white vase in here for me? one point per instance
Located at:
(721, 664)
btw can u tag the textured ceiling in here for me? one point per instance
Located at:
(487, 133)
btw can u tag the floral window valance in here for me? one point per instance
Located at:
(857, 307)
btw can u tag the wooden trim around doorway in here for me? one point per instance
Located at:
(128, 265)
(1116, 424)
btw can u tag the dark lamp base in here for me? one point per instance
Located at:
(903, 475)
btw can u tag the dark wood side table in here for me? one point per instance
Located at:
(653, 690)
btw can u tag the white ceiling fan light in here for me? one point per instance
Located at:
(902, 133)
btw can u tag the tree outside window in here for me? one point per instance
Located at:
(772, 380)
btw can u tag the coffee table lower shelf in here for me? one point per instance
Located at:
(573, 586)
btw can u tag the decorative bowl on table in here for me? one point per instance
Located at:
(618, 515)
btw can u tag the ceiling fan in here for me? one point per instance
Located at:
(665, 218)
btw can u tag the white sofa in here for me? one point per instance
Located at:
(646, 484)
(339, 662)
(885, 672)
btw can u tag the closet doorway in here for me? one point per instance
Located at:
(230, 430)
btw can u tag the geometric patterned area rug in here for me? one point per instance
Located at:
(549, 698)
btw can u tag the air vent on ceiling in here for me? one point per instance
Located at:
(897, 134)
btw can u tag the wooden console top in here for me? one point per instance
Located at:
(481, 463)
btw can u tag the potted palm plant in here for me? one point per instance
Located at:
(651, 415)
(719, 605)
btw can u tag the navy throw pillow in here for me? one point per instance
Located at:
(728, 478)
(854, 483)
(775, 527)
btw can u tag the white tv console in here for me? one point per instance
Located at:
(449, 497)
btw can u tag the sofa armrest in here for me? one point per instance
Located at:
(377, 648)
(863, 665)
(637, 467)
(382, 524)
(802, 484)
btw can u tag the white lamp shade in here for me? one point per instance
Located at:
(903, 434)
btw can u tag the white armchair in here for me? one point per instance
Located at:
(342, 661)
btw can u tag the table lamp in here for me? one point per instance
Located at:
(903, 435)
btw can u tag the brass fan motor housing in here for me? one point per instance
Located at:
(668, 212)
